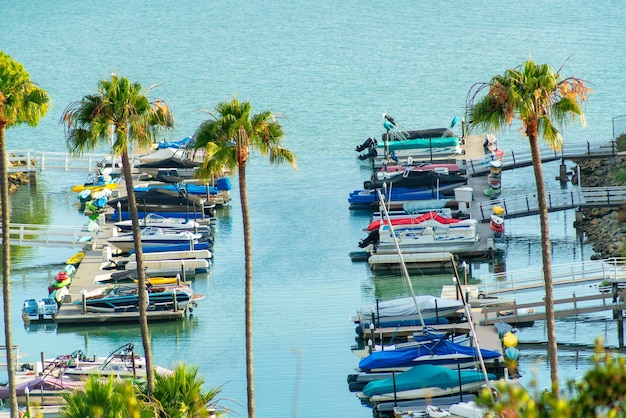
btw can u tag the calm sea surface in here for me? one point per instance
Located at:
(332, 68)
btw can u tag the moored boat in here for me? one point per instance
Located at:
(163, 202)
(154, 237)
(184, 167)
(121, 363)
(119, 298)
(39, 310)
(406, 311)
(427, 233)
(152, 219)
(440, 353)
(423, 381)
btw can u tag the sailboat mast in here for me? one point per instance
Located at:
(470, 321)
(405, 272)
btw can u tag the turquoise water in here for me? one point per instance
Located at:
(332, 69)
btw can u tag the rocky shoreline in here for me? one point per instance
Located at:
(604, 228)
(16, 180)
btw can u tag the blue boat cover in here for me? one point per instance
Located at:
(191, 188)
(405, 357)
(424, 376)
(223, 183)
(175, 144)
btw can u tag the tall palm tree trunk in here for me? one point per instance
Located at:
(245, 213)
(546, 256)
(6, 272)
(141, 273)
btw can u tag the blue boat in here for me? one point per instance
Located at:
(440, 353)
(223, 184)
(368, 199)
(424, 381)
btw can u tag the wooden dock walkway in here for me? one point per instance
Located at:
(526, 205)
(512, 312)
(516, 297)
(511, 159)
(497, 284)
(72, 314)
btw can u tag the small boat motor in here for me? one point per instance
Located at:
(369, 142)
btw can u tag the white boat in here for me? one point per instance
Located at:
(191, 266)
(403, 311)
(153, 237)
(152, 219)
(427, 233)
(122, 362)
(177, 163)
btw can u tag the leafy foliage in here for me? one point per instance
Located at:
(600, 393)
(179, 394)
(21, 100)
(105, 399)
(620, 142)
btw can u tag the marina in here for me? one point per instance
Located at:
(321, 68)
(86, 301)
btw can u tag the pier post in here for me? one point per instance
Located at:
(563, 178)
(620, 328)
(619, 314)
(32, 179)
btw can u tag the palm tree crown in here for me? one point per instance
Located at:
(120, 114)
(229, 136)
(535, 95)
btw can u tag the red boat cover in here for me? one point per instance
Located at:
(414, 220)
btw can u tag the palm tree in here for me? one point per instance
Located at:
(101, 398)
(120, 113)
(537, 96)
(181, 395)
(228, 138)
(21, 102)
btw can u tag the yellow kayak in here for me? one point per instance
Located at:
(81, 187)
(76, 258)
(156, 281)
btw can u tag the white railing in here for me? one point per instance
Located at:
(29, 160)
(34, 235)
(512, 159)
(615, 195)
(527, 204)
(556, 200)
(569, 273)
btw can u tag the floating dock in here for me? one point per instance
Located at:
(72, 314)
